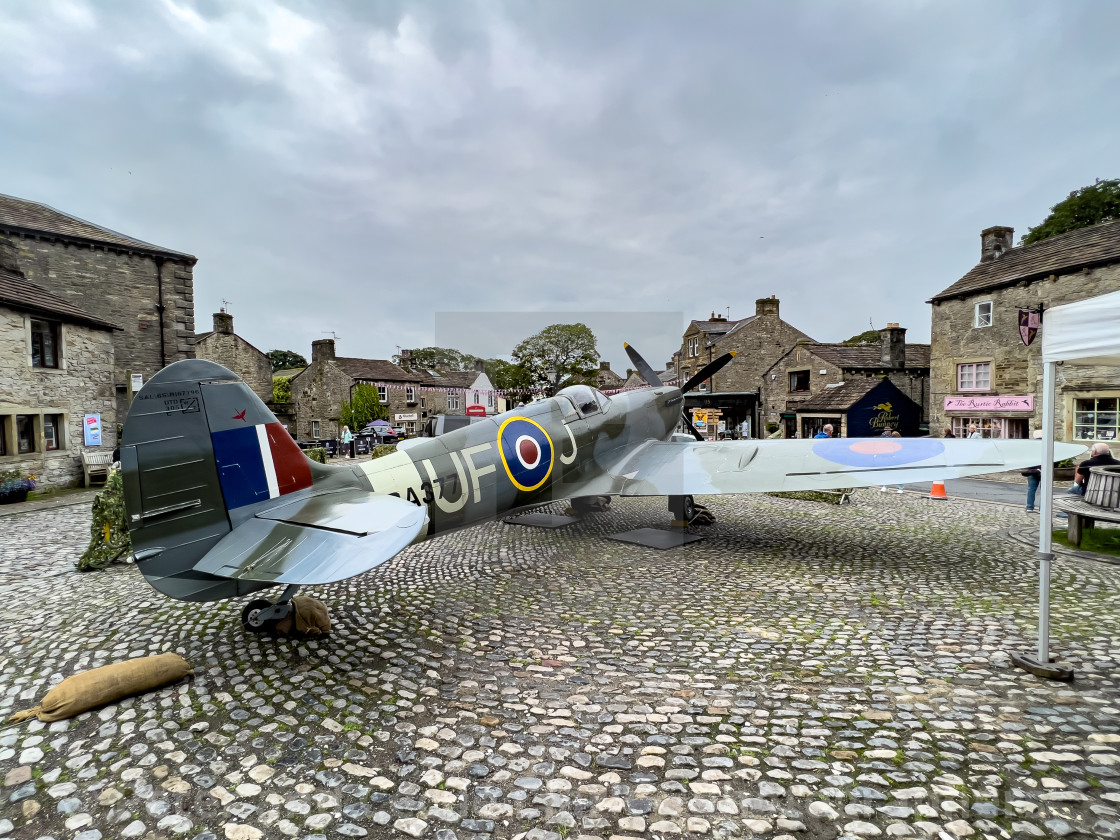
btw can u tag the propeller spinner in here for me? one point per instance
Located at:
(647, 373)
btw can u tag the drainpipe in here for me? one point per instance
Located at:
(159, 308)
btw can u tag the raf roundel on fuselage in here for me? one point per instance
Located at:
(526, 451)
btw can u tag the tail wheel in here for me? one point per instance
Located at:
(251, 616)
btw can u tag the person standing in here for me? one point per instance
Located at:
(973, 432)
(948, 433)
(826, 432)
(347, 441)
(1034, 478)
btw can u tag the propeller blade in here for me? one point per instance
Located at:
(706, 372)
(642, 366)
(692, 428)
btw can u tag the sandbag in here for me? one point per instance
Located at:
(308, 617)
(91, 689)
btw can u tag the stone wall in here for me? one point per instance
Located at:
(83, 384)
(122, 289)
(317, 395)
(776, 396)
(232, 351)
(1016, 369)
(757, 345)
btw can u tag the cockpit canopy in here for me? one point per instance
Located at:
(587, 400)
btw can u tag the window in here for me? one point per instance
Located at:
(52, 432)
(5, 447)
(476, 397)
(409, 394)
(490, 400)
(983, 316)
(693, 347)
(44, 343)
(1096, 418)
(382, 395)
(1013, 428)
(422, 403)
(315, 429)
(25, 432)
(975, 376)
(798, 380)
(452, 400)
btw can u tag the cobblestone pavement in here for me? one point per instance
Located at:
(809, 671)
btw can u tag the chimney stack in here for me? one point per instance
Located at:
(604, 365)
(223, 323)
(323, 349)
(767, 306)
(893, 342)
(995, 242)
(9, 257)
(480, 366)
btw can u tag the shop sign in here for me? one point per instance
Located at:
(989, 403)
(403, 418)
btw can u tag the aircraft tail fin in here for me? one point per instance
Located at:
(201, 454)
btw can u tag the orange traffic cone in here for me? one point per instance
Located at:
(937, 491)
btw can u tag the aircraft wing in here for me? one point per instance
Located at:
(696, 468)
(316, 539)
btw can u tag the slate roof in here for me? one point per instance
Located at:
(867, 356)
(842, 397)
(456, 378)
(716, 326)
(738, 326)
(1093, 245)
(18, 215)
(17, 293)
(286, 371)
(379, 370)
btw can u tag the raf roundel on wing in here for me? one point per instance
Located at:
(877, 452)
(526, 452)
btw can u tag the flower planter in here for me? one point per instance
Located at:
(13, 496)
(1064, 473)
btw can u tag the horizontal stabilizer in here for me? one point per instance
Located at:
(318, 539)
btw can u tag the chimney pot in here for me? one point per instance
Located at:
(995, 242)
(223, 323)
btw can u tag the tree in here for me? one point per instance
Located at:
(366, 407)
(1099, 202)
(282, 389)
(285, 360)
(438, 358)
(868, 337)
(557, 352)
(506, 376)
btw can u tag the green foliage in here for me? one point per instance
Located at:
(507, 376)
(556, 353)
(867, 337)
(109, 539)
(285, 359)
(382, 449)
(317, 453)
(365, 408)
(1099, 202)
(439, 358)
(282, 389)
(829, 497)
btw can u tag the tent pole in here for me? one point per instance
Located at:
(1046, 512)
(1040, 665)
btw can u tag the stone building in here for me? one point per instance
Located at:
(758, 340)
(145, 289)
(606, 379)
(793, 385)
(982, 372)
(230, 350)
(56, 374)
(320, 389)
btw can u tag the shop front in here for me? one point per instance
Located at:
(994, 417)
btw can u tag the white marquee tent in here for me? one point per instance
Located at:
(1086, 332)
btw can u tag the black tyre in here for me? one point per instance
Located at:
(250, 616)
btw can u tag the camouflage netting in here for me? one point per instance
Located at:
(109, 538)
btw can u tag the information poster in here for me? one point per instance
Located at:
(91, 426)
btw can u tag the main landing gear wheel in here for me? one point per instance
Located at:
(252, 619)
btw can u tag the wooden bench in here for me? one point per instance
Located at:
(95, 465)
(1101, 502)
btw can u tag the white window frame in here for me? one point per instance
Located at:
(980, 317)
(452, 400)
(490, 400)
(409, 394)
(315, 429)
(975, 386)
(382, 394)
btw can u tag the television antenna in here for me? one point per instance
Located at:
(225, 305)
(332, 334)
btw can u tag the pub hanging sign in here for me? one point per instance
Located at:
(1030, 322)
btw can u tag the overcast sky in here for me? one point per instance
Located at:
(360, 167)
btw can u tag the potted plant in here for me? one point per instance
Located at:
(15, 487)
(1064, 470)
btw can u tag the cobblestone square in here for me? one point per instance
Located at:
(808, 671)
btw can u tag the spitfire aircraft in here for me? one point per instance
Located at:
(222, 503)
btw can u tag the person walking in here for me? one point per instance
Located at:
(347, 441)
